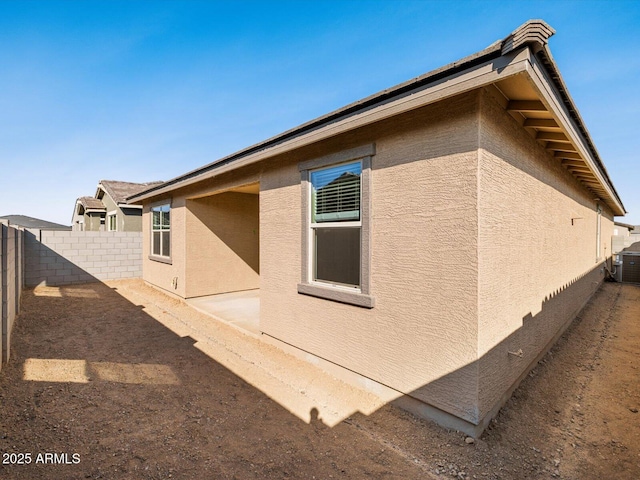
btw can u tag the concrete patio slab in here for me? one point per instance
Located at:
(238, 309)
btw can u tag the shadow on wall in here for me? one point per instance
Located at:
(501, 369)
(44, 266)
(67, 257)
(234, 219)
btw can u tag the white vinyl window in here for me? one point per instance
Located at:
(335, 224)
(112, 222)
(161, 231)
(336, 232)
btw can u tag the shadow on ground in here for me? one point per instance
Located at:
(96, 375)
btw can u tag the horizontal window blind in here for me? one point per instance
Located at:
(336, 193)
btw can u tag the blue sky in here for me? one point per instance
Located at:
(147, 90)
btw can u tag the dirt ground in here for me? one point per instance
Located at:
(98, 379)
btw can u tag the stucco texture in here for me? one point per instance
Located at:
(473, 253)
(536, 250)
(224, 251)
(421, 336)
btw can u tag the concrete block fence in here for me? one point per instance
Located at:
(64, 257)
(11, 259)
(30, 257)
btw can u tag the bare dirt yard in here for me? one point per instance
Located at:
(112, 381)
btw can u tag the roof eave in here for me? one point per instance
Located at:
(523, 51)
(424, 93)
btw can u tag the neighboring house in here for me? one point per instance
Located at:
(30, 222)
(474, 223)
(108, 209)
(625, 238)
(88, 215)
(622, 229)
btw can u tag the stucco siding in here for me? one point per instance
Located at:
(127, 219)
(482, 246)
(536, 250)
(167, 276)
(92, 222)
(224, 249)
(420, 338)
(130, 219)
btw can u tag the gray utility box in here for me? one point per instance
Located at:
(627, 267)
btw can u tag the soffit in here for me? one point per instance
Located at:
(523, 102)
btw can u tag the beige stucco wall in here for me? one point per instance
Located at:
(92, 222)
(224, 250)
(127, 220)
(473, 253)
(189, 252)
(167, 276)
(536, 269)
(421, 336)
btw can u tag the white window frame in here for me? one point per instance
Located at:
(111, 215)
(360, 295)
(315, 225)
(154, 256)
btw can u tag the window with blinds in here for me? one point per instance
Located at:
(336, 193)
(335, 224)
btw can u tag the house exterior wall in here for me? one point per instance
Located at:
(536, 268)
(169, 276)
(421, 337)
(172, 276)
(224, 249)
(127, 219)
(621, 231)
(92, 222)
(473, 254)
(130, 220)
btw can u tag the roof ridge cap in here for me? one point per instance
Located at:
(535, 33)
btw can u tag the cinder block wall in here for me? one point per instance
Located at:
(11, 283)
(620, 243)
(68, 257)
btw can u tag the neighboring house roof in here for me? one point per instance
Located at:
(30, 222)
(624, 225)
(521, 69)
(119, 191)
(91, 204)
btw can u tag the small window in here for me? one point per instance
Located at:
(112, 223)
(161, 231)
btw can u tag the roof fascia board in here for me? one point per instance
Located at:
(552, 99)
(467, 80)
(128, 205)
